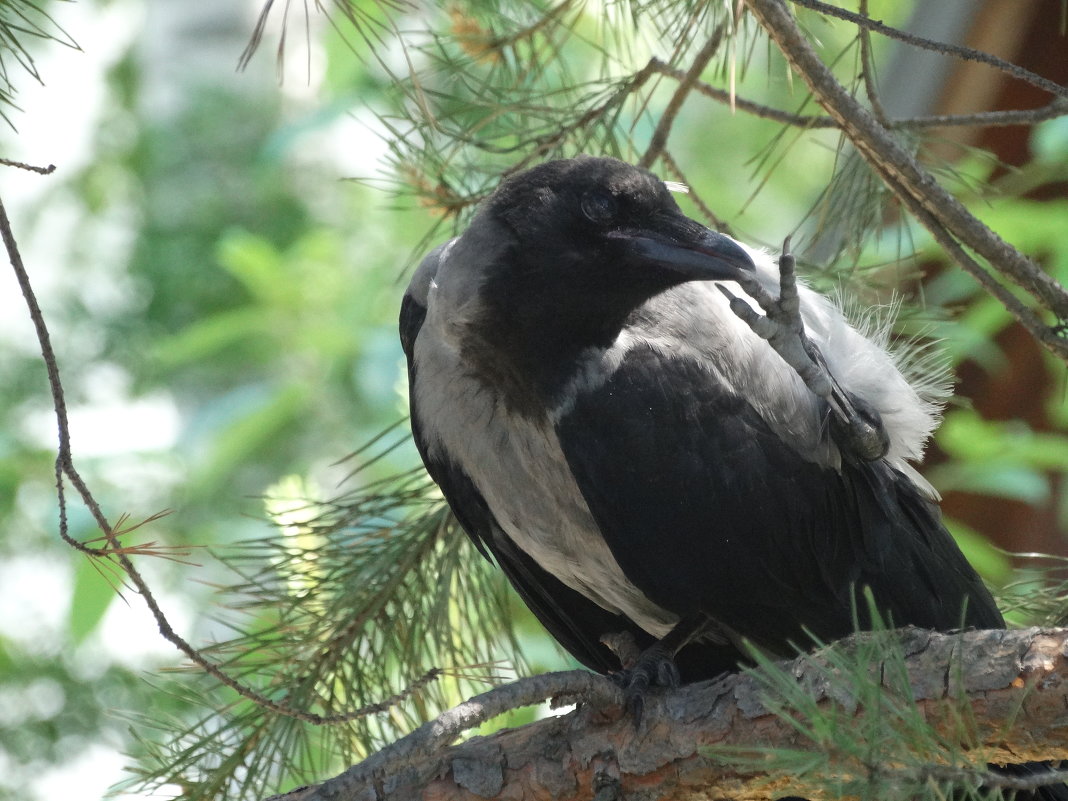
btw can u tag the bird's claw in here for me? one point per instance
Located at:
(781, 324)
(856, 425)
(654, 667)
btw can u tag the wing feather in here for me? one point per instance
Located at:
(706, 508)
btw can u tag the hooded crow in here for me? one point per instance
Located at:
(645, 455)
(637, 458)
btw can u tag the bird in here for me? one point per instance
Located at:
(645, 455)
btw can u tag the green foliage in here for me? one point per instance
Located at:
(356, 596)
(1003, 459)
(1006, 458)
(90, 599)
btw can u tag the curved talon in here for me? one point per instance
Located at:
(856, 425)
(860, 430)
(655, 667)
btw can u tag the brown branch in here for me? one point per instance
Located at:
(1012, 687)
(880, 149)
(991, 119)
(1049, 337)
(756, 109)
(51, 168)
(965, 53)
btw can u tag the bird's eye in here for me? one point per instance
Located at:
(599, 206)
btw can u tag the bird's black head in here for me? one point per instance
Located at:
(589, 240)
(607, 222)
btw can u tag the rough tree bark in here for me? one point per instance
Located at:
(1013, 684)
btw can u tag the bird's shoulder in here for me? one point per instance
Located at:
(687, 372)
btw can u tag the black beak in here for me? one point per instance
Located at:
(707, 257)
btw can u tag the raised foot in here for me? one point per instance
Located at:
(855, 425)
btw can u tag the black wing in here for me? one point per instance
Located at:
(573, 620)
(705, 508)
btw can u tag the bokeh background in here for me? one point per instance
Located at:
(220, 256)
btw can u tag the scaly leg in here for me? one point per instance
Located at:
(855, 425)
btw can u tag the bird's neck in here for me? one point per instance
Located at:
(527, 361)
(529, 341)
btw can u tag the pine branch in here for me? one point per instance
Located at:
(941, 213)
(963, 700)
(980, 119)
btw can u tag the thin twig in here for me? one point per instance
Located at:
(1052, 110)
(676, 172)
(51, 168)
(543, 21)
(867, 70)
(1025, 316)
(965, 53)
(686, 84)
(756, 109)
(544, 144)
(115, 551)
(989, 119)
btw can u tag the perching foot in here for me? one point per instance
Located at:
(655, 666)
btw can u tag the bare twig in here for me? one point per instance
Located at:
(1052, 110)
(686, 84)
(1025, 316)
(965, 53)
(756, 109)
(676, 172)
(868, 69)
(989, 119)
(65, 469)
(51, 168)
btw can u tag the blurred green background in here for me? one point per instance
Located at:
(223, 305)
